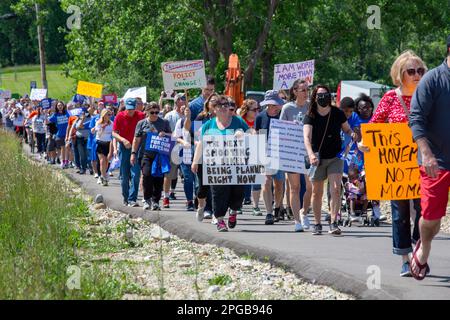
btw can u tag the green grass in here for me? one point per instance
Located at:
(17, 79)
(40, 237)
(220, 280)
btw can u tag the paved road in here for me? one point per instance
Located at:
(340, 262)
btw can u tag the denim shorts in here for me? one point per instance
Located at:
(276, 174)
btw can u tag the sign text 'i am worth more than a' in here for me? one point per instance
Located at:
(392, 171)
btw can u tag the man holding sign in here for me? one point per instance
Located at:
(430, 116)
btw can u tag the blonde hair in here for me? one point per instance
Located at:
(398, 67)
(101, 120)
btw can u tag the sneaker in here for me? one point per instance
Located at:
(172, 196)
(406, 270)
(214, 220)
(62, 166)
(232, 220)
(208, 215)
(317, 230)
(353, 217)
(328, 218)
(257, 212)
(110, 174)
(305, 221)
(91, 172)
(155, 206)
(78, 170)
(334, 229)
(166, 203)
(283, 213)
(190, 206)
(125, 203)
(200, 214)
(96, 176)
(298, 227)
(277, 215)
(221, 226)
(239, 211)
(247, 201)
(269, 219)
(104, 182)
(146, 205)
(133, 204)
(289, 213)
(99, 180)
(383, 218)
(82, 171)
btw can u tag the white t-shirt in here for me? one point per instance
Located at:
(38, 123)
(184, 134)
(104, 134)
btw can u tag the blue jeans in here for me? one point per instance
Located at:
(401, 226)
(188, 181)
(129, 174)
(302, 189)
(247, 192)
(81, 146)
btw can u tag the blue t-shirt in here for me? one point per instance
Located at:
(210, 127)
(61, 121)
(196, 107)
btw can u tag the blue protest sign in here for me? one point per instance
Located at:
(161, 145)
(76, 112)
(78, 99)
(45, 103)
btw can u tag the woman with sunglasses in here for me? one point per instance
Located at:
(224, 197)
(248, 112)
(322, 135)
(152, 124)
(406, 72)
(299, 186)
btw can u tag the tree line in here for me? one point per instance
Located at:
(122, 43)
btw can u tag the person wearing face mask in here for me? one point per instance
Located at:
(322, 136)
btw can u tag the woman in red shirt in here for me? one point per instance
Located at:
(248, 112)
(406, 73)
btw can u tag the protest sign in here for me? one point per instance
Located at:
(161, 145)
(18, 121)
(285, 74)
(228, 160)
(286, 149)
(180, 75)
(78, 98)
(5, 94)
(46, 103)
(140, 92)
(90, 89)
(110, 98)
(76, 112)
(33, 85)
(392, 172)
(38, 94)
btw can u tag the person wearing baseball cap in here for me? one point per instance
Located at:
(273, 104)
(123, 131)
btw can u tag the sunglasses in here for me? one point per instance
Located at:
(412, 72)
(153, 112)
(323, 95)
(223, 105)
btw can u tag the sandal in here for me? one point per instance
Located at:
(423, 268)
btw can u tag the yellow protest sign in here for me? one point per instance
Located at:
(392, 171)
(90, 89)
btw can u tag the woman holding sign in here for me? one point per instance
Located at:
(223, 196)
(152, 124)
(394, 107)
(322, 135)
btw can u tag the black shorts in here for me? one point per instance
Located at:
(103, 147)
(59, 142)
(51, 145)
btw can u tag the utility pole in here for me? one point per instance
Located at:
(40, 33)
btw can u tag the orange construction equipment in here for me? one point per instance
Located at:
(234, 87)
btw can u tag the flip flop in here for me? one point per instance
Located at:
(422, 267)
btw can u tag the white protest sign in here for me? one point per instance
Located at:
(38, 94)
(228, 160)
(140, 92)
(180, 75)
(284, 75)
(286, 149)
